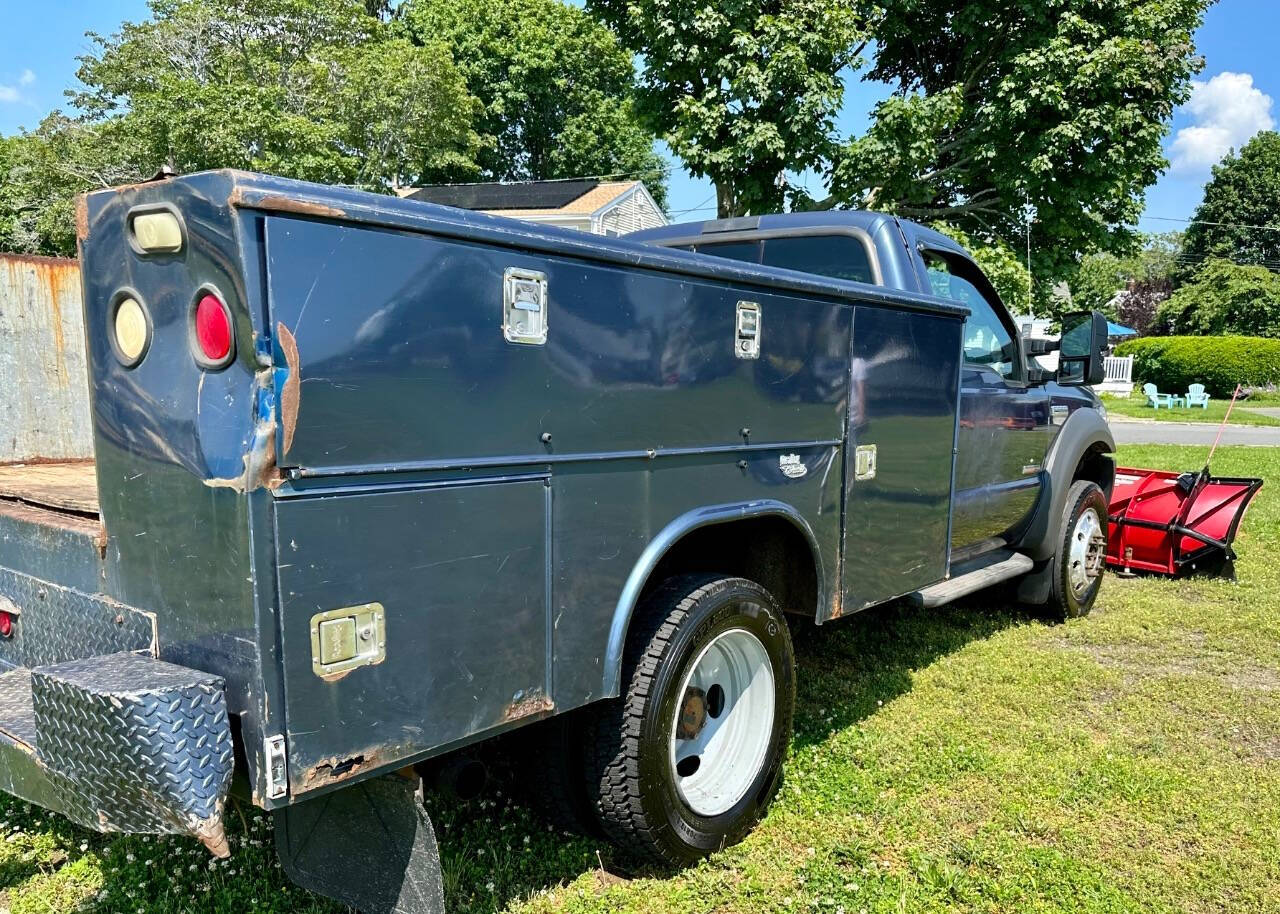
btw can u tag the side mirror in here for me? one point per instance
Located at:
(1082, 349)
(1034, 346)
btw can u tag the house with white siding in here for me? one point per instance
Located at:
(589, 205)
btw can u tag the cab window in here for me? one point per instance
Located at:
(837, 256)
(987, 341)
(746, 251)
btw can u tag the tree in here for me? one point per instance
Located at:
(742, 92)
(41, 172)
(1224, 298)
(1001, 265)
(9, 217)
(313, 89)
(1239, 217)
(1137, 307)
(554, 86)
(1001, 105)
(1129, 287)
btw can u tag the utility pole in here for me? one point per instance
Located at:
(1026, 213)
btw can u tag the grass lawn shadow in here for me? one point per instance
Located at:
(848, 668)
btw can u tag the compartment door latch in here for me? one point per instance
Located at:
(746, 344)
(343, 639)
(524, 306)
(864, 462)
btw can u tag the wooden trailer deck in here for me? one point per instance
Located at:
(70, 486)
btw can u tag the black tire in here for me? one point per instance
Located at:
(1065, 600)
(636, 798)
(554, 763)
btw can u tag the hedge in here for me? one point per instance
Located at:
(1217, 362)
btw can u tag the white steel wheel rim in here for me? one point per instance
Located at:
(715, 764)
(1087, 552)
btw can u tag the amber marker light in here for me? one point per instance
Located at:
(132, 331)
(158, 232)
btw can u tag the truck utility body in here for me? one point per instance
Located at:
(376, 479)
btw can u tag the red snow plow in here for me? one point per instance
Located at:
(1175, 523)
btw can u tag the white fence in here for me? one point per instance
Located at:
(1119, 380)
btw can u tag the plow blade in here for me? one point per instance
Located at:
(1176, 523)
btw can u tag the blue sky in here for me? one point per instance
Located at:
(1233, 98)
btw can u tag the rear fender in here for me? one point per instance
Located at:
(661, 544)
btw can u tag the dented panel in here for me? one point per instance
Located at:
(183, 452)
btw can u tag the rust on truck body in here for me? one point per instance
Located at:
(291, 392)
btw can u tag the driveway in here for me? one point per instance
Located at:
(1137, 431)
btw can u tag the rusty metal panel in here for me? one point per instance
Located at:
(461, 572)
(44, 392)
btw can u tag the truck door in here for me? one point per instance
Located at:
(1004, 424)
(898, 466)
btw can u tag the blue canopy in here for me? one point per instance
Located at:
(1114, 329)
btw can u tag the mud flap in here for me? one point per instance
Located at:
(370, 846)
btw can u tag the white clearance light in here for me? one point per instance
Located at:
(131, 331)
(158, 232)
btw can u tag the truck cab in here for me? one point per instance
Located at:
(1010, 410)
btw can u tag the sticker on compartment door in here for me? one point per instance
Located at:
(864, 462)
(791, 466)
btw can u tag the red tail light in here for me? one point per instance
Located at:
(213, 338)
(6, 624)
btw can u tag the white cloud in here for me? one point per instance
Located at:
(1227, 110)
(9, 94)
(27, 78)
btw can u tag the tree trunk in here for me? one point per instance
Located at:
(726, 201)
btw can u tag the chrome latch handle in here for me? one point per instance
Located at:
(746, 344)
(524, 306)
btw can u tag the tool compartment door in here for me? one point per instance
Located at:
(460, 573)
(899, 464)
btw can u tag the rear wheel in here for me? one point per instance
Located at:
(1082, 551)
(689, 758)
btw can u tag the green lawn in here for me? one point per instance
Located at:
(1137, 407)
(972, 758)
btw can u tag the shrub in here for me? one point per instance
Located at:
(1217, 362)
(1224, 297)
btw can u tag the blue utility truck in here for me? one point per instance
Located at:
(376, 480)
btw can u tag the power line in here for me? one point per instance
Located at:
(1268, 228)
(694, 209)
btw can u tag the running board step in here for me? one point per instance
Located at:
(988, 573)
